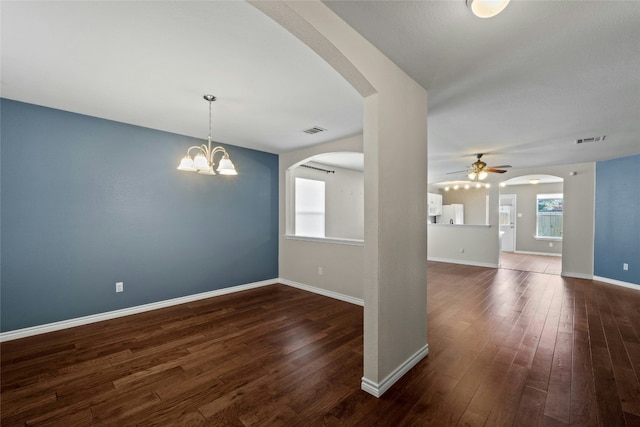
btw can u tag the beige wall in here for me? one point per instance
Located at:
(299, 260)
(460, 243)
(474, 201)
(526, 224)
(344, 199)
(579, 212)
(444, 242)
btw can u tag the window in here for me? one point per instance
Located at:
(309, 207)
(549, 216)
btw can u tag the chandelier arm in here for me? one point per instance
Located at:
(199, 147)
(218, 149)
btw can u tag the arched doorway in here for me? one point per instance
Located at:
(530, 223)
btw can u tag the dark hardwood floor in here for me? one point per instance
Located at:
(507, 348)
(548, 264)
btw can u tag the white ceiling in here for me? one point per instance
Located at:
(521, 87)
(149, 64)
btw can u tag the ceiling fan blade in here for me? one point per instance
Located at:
(500, 167)
(494, 170)
(451, 173)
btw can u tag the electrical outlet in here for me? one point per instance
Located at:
(119, 286)
(320, 271)
(625, 266)
(550, 244)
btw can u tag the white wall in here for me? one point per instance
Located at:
(344, 199)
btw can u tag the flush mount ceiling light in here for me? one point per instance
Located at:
(203, 161)
(486, 8)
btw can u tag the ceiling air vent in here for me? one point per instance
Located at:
(592, 139)
(313, 130)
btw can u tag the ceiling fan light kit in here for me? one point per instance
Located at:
(479, 170)
(487, 8)
(203, 160)
(475, 175)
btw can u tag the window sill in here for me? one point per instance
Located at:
(548, 238)
(333, 240)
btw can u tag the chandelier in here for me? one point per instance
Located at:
(203, 160)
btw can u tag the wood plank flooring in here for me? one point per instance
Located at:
(548, 264)
(507, 348)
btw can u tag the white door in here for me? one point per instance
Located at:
(508, 222)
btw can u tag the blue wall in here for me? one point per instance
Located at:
(617, 230)
(87, 202)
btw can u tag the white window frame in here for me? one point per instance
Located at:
(309, 207)
(538, 214)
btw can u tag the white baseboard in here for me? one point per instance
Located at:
(320, 291)
(70, 323)
(577, 275)
(536, 253)
(617, 282)
(378, 389)
(79, 321)
(463, 262)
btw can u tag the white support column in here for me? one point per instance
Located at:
(395, 181)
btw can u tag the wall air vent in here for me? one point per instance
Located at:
(592, 139)
(313, 130)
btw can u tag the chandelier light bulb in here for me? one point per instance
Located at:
(201, 162)
(186, 164)
(225, 167)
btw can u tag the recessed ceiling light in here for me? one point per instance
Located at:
(534, 181)
(503, 184)
(487, 8)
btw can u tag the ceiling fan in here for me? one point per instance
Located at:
(479, 169)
